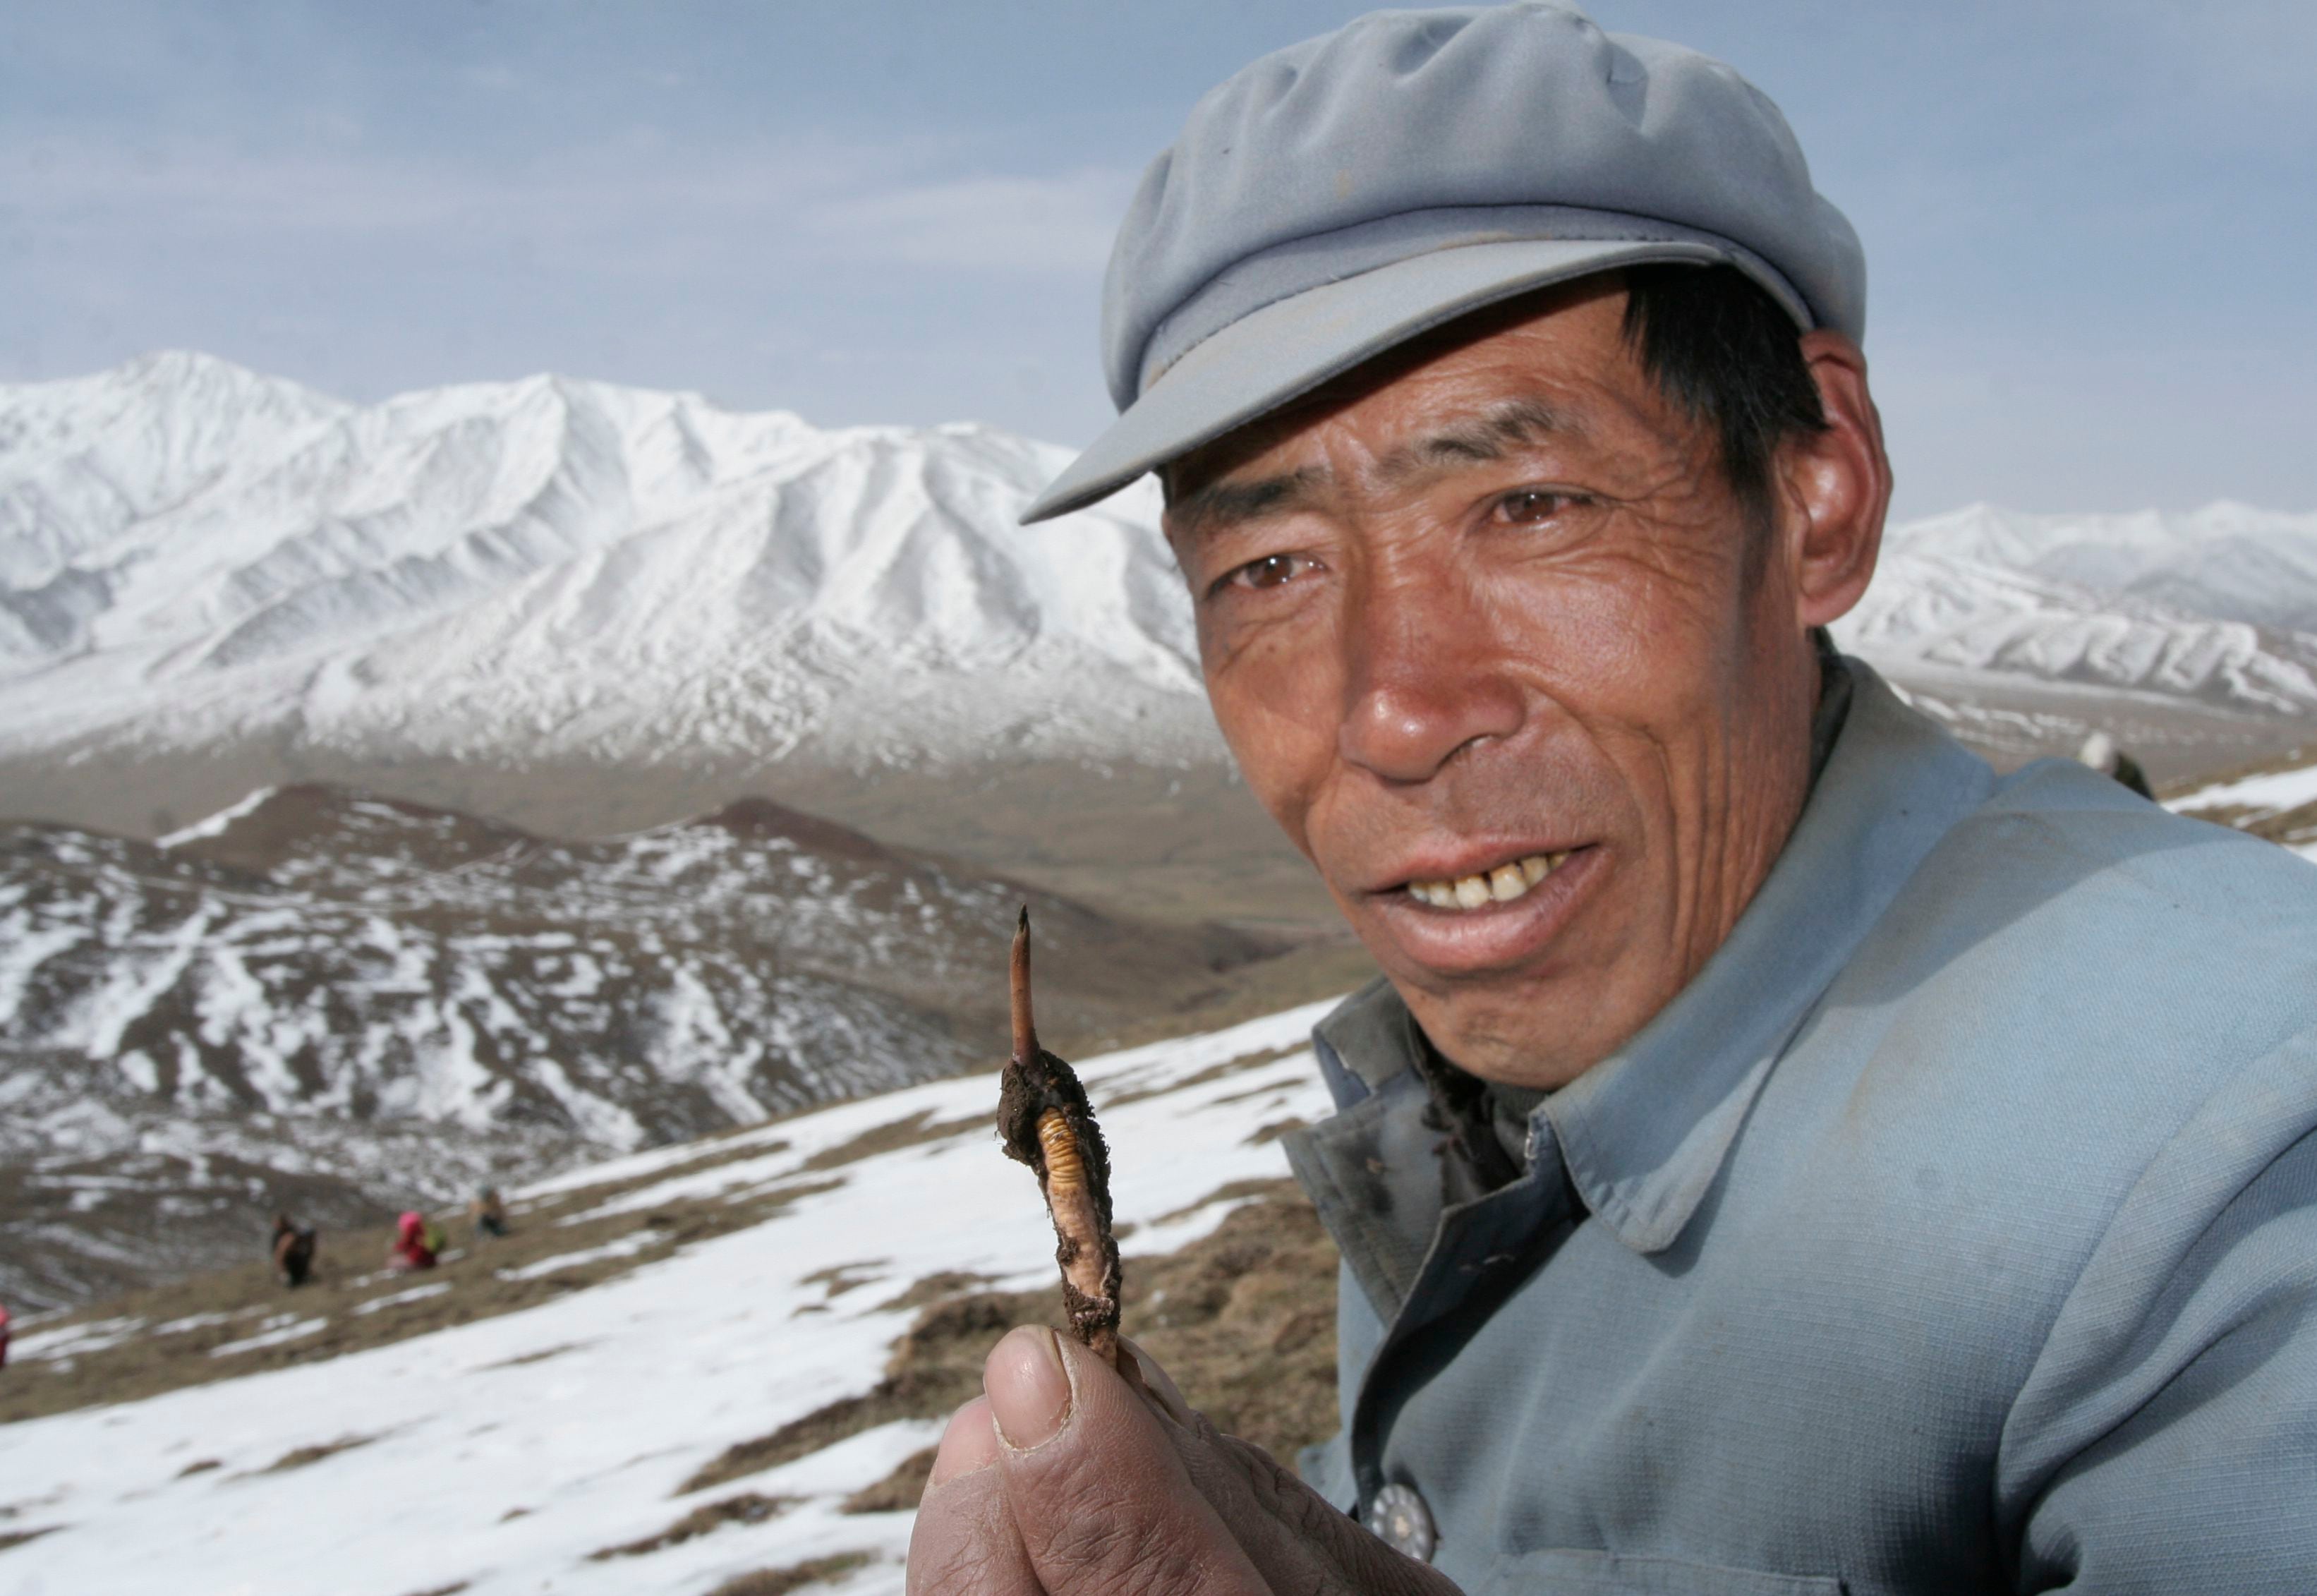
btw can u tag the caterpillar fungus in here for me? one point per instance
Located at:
(1045, 1122)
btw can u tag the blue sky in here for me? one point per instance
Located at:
(2089, 226)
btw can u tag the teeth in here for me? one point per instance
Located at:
(1500, 885)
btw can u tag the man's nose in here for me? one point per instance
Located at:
(1425, 678)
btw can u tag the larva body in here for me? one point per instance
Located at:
(1058, 1146)
(1046, 1123)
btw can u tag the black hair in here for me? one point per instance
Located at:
(1728, 356)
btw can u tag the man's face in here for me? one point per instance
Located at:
(1485, 638)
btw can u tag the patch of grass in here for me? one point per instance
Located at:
(796, 1576)
(17, 1537)
(200, 1466)
(1276, 1129)
(842, 1277)
(934, 1368)
(1229, 1191)
(542, 1356)
(746, 1507)
(897, 1492)
(936, 1287)
(222, 1300)
(304, 1456)
(1243, 1319)
(1207, 1077)
(450, 1590)
(913, 1131)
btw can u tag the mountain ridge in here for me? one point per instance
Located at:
(551, 565)
(553, 572)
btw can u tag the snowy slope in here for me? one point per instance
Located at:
(190, 553)
(502, 1452)
(320, 986)
(2279, 804)
(2218, 606)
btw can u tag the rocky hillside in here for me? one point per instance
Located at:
(343, 1002)
(2192, 637)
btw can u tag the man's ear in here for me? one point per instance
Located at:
(1837, 485)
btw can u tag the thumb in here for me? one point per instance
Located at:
(1097, 1493)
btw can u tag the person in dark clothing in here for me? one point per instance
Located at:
(2102, 754)
(294, 1245)
(488, 1214)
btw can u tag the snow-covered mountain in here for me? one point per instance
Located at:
(230, 580)
(720, 1405)
(2218, 605)
(344, 1002)
(191, 553)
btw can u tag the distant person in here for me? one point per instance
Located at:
(294, 1245)
(488, 1214)
(417, 1244)
(2102, 754)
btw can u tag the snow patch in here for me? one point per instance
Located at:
(526, 1442)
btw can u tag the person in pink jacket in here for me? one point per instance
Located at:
(414, 1244)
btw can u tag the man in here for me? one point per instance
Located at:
(417, 1244)
(292, 1249)
(1782, 1156)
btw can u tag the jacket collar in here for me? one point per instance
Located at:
(1646, 1132)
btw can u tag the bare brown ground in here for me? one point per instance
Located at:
(349, 1274)
(302, 1457)
(913, 1131)
(780, 1581)
(1224, 1070)
(899, 1491)
(746, 1507)
(1243, 1320)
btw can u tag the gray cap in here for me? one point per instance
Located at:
(1347, 194)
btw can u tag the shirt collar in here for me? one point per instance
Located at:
(1646, 1132)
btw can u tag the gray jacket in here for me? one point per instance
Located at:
(1955, 1230)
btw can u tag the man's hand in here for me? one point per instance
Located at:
(1064, 1479)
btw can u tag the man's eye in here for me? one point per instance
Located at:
(1272, 571)
(1531, 505)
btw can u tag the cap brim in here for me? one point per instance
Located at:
(1290, 347)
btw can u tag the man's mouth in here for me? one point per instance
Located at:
(1484, 889)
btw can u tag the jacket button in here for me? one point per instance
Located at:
(1402, 1523)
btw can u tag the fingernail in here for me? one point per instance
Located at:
(1029, 1389)
(967, 1447)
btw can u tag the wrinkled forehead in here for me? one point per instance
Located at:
(1555, 366)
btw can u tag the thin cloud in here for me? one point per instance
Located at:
(856, 203)
(986, 223)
